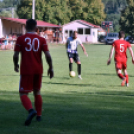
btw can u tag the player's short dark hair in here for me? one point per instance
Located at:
(75, 31)
(31, 24)
(121, 34)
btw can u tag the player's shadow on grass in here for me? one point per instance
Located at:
(67, 84)
(105, 74)
(67, 78)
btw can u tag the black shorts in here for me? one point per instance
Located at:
(75, 56)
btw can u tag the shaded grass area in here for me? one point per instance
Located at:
(95, 105)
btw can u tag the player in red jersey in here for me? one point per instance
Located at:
(120, 46)
(31, 46)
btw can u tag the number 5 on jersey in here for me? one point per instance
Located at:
(122, 48)
(31, 44)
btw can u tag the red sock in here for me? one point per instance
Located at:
(127, 78)
(120, 75)
(38, 104)
(26, 102)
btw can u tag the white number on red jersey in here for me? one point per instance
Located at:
(31, 44)
(122, 48)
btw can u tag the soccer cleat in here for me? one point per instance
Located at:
(123, 81)
(38, 118)
(31, 115)
(127, 84)
(79, 76)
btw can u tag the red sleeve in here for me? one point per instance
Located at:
(44, 46)
(17, 45)
(128, 44)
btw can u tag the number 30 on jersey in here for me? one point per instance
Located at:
(31, 44)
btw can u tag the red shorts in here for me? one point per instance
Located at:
(29, 83)
(121, 64)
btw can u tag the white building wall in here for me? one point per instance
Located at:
(92, 37)
(1, 29)
(94, 34)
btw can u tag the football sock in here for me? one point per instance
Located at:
(38, 104)
(127, 78)
(79, 69)
(26, 102)
(120, 75)
(70, 66)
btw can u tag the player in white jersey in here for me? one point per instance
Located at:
(71, 46)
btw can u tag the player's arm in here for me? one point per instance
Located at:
(15, 61)
(84, 49)
(110, 55)
(132, 54)
(49, 61)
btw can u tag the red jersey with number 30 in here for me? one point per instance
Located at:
(120, 47)
(31, 46)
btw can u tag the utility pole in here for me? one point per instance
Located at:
(33, 10)
(12, 12)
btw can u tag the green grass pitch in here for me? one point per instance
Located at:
(95, 105)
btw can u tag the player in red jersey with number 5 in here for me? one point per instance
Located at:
(31, 47)
(120, 46)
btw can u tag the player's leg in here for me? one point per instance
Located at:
(37, 96)
(125, 72)
(77, 59)
(118, 67)
(70, 64)
(24, 89)
(26, 102)
(38, 104)
(70, 57)
(127, 77)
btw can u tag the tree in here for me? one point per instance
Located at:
(113, 10)
(5, 13)
(63, 11)
(94, 11)
(127, 18)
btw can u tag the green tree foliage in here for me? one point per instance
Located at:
(113, 9)
(5, 13)
(6, 7)
(63, 11)
(95, 11)
(24, 9)
(127, 18)
(9, 3)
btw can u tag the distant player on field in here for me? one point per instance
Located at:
(31, 47)
(71, 46)
(120, 46)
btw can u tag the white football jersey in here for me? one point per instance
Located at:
(72, 44)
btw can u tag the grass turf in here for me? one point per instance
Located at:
(95, 105)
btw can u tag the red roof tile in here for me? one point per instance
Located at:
(85, 22)
(39, 22)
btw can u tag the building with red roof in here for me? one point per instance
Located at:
(17, 26)
(87, 31)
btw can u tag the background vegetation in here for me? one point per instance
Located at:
(61, 12)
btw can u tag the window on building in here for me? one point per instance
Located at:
(70, 33)
(87, 31)
(66, 31)
(80, 30)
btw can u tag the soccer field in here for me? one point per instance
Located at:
(97, 104)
